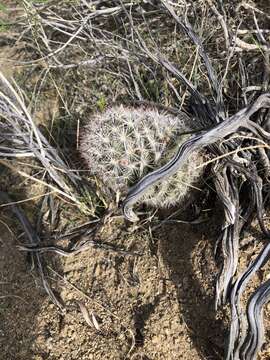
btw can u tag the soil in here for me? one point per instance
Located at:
(162, 302)
(159, 305)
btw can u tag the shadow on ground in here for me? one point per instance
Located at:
(187, 251)
(20, 301)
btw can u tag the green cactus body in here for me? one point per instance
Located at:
(122, 144)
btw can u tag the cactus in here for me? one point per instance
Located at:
(122, 144)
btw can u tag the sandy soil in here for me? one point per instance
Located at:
(151, 307)
(159, 305)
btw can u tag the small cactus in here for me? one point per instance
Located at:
(122, 144)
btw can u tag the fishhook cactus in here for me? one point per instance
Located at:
(123, 144)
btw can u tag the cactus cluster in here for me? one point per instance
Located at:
(122, 144)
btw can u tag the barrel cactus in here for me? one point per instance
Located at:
(122, 144)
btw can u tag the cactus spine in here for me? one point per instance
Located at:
(122, 144)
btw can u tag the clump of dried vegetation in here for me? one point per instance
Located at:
(154, 53)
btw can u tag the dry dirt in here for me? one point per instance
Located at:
(159, 305)
(155, 306)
